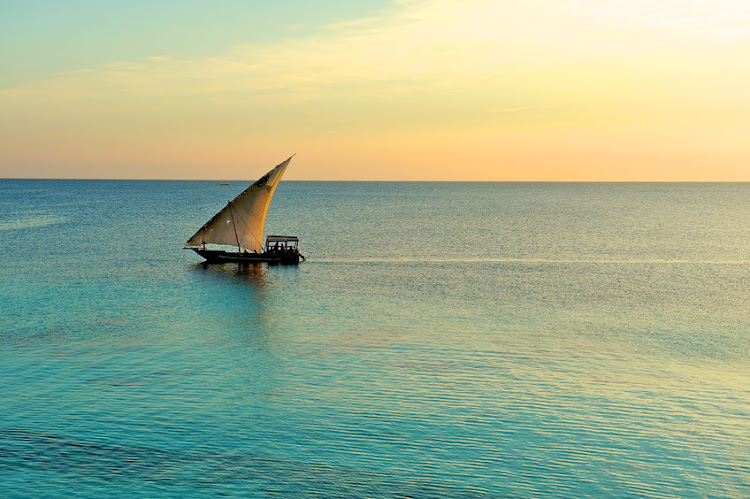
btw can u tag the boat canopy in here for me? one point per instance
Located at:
(282, 239)
(242, 221)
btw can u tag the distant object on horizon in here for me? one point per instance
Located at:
(223, 184)
(240, 224)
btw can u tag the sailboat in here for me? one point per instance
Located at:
(240, 225)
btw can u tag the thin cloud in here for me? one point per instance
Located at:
(518, 109)
(415, 44)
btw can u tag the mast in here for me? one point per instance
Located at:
(239, 246)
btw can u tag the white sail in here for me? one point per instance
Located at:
(242, 221)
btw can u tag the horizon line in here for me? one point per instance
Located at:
(390, 181)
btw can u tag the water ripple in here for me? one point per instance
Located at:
(30, 222)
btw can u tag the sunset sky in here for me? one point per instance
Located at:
(594, 90)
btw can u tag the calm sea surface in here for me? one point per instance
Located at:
(442, 340)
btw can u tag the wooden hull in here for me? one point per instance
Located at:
(272, 257)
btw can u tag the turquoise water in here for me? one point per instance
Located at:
(442, 340)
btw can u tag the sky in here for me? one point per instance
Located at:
(469, 90)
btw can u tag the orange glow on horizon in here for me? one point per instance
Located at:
(426, 90)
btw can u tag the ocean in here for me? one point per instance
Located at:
(442, 340)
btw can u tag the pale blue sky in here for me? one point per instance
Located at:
(40, 37)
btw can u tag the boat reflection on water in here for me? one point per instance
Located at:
(256, 273)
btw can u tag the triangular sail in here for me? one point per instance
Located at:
(242, 221)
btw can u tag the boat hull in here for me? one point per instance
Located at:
(272, 257)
